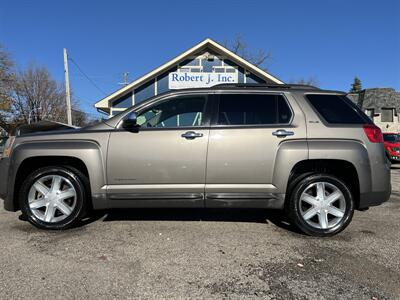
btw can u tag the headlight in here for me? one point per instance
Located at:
(396, 149)
(8, 146)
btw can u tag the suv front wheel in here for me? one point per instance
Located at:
(321, 205)
(54, 197)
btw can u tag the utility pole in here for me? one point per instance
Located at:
(67, 90)
(125, 75)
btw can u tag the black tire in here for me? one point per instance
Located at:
(293, 205)
(79, 182)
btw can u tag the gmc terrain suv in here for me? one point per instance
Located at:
(308, 151)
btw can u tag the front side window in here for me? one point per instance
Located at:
(185, 111)
(253, 109)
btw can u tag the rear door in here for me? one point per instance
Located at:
(247, 131)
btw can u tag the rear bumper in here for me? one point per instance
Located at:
(5, 188)
(373, 199)
(380, 187)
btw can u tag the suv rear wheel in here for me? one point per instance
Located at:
(54, 197)
(321, 205)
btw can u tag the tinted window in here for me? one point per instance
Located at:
(253, 109)
(389, 137)
(337, 109)
(177, 112)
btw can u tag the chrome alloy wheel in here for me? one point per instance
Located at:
(322, 205)
(52, 198)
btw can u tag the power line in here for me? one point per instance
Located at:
(88, 78)
(80, 98)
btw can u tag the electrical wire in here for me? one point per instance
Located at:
(87, 77)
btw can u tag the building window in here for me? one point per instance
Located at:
(370, 112)
(145, 91)
(190, 62)
(123, 102)
(387, 115)
(209, 64)
(191, 69)
(224, 69)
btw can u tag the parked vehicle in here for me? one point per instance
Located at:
(3, 141)
(392, 146)
(308, 151)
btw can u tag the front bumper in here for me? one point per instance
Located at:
(5, 190)
(394, 157)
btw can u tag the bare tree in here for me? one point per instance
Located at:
(31, 95)
(34, 96)
(7, 80)
(79, 118)
(258, 58)
(38, 97)
(310, 81)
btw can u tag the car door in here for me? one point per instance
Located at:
(247, 131)
(163, 162)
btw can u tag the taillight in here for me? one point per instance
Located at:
(373, 133)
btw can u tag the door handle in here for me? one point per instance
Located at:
(282, 133)
(190, 135)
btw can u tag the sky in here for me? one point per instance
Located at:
(330, 41)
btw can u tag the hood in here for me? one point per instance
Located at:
(41, 127)
(55, 128)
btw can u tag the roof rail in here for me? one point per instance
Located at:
(267, 85)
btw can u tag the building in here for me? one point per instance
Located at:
(382, 105)
(206, 64)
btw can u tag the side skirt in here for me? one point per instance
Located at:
(209, 200)
(245, 200)
(146, 200)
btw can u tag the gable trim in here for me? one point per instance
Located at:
(104, 104)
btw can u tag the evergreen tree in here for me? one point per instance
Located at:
(356, 85)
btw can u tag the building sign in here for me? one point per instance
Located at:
(199, 80)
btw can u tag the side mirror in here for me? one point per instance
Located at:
(130, 122)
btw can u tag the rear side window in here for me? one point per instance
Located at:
(253, 109)
(337, 109)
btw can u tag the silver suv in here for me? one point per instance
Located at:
(308, 151)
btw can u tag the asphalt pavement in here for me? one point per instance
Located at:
(202, 254)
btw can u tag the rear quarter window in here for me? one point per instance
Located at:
(337, 109)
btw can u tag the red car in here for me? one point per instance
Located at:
(392, 145)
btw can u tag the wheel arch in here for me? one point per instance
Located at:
(342, 169)
(84, 156)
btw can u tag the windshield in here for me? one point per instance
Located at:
(391, 137)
